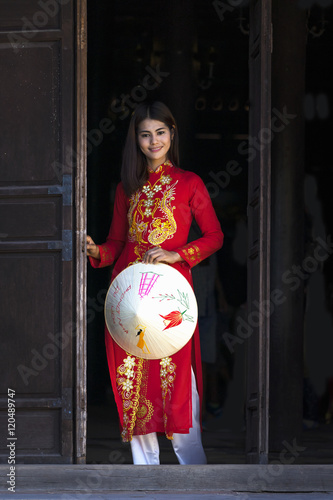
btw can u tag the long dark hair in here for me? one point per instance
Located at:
(134, 170)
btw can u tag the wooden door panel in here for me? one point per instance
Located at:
(31, 126)
(31, 312)
(37, 295)
(40, 427)
(29, 15)
(257, 404)
(37, 217)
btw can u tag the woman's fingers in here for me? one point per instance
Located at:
(157, 254)
(152, 255)
(92, 248)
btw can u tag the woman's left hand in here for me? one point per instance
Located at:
(158, 254)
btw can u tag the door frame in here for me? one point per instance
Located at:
(259, 234)
(80, 333)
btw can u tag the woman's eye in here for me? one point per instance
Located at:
(161, 132)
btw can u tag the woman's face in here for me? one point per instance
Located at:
(154, 139)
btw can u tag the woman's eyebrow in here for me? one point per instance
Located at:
(161, 128)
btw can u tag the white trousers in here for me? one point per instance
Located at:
(187, 447)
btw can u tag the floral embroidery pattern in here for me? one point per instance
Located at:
(128, 382)
(147, 212)
(165, 179)
(167, 375)
(175, 318)
(132, 378)
(192, 253)
(149, 202)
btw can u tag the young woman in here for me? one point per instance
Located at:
(154, 206)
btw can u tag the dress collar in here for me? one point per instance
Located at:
(160, 168)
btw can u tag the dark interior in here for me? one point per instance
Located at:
(196, 57)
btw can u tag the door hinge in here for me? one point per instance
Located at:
(65, 190)
(67, 404)
(66, 245)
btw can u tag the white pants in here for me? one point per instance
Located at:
(187, 447)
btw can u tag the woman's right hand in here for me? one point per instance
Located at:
(92, 248)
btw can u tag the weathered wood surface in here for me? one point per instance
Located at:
(81, 224)
(36, 240)
(259, 230)
(95, 479)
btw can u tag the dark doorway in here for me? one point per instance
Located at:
(194, 57)
(197, 54)
(318, 182)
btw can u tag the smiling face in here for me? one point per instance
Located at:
(154, 140)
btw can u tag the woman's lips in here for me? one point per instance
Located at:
(154, 150)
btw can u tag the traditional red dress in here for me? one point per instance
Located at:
(155, 395)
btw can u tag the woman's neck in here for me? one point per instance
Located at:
(153, 167)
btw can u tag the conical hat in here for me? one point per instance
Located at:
(151, 310)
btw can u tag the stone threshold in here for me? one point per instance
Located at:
(95, 479)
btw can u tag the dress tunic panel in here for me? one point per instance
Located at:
(155, 395)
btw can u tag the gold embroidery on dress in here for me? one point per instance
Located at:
(135, 229)
(192, 252)
(143, 206)
(167, 375)
(160, 167)
(164, 228)
(145, 409)
(129, 383)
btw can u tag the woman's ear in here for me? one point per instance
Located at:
(172, 131)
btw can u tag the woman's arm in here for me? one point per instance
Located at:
(203, 212)
(212, 237)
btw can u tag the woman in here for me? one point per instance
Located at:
(154, 206)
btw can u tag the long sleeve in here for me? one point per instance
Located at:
(115, 242)
(204, 214)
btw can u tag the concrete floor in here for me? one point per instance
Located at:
(245, 482)
(104, 445)
(223, 443)
(171, 496)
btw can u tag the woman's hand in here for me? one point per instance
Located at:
(158, 254)
(92, 248)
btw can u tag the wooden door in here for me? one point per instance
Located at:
(257, 402)
(37, 301)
